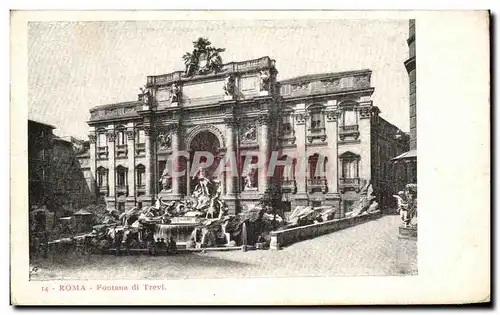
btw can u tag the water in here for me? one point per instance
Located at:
(181, 233)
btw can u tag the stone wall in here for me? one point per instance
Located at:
(301, 233)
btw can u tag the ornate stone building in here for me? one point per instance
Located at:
(239, 108)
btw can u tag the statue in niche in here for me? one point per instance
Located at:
(250, 133)
(265, 78)
(203, 182)
(229, 86)
(174, 93)
(164, 140)
(166, 181)
(250, 180)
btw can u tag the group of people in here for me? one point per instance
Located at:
(407, 205)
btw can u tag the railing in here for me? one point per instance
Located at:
(104, 189)
(140, 187)
(121, 150)
(349, 183)
(352, 130)
(140, 149)
(122, 189)
(102, 149)
(317, 183)
(318, 130)
(349, 129)
(289, 185)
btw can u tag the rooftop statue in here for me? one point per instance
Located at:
(204, 58)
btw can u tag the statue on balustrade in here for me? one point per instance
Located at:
(145, 95)
(265, 80)
(174, 93)
(229, 86)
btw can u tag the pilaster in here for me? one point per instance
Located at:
(131, 162)
(111, 201)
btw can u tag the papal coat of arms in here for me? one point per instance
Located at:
(204, 58)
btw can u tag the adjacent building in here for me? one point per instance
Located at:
(409, 158)
(56, 179)
(240, 108)
(40, 143)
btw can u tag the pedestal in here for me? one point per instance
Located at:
(232, 204)
(299, 199)
(169, 196)
(264, 93)
(409, 232)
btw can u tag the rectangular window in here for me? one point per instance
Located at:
(121, 178)
(316, 120)
(350, 168)
(141, 136)
(287, 125)
(102, 141)
(122, 137)
(350, 118)
(140, 177)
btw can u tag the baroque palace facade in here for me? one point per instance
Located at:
(240, 107)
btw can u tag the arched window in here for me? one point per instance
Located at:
(121, 176)
(141, 175)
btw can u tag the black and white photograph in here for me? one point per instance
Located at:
(220, 149)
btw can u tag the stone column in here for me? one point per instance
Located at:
(176, 182)
(332, 138)
(93, 159)
(301, 139)
(230, 179)
(332, 174)
(111, 201)
(264, 149)
(188, 177)
(149, 162)
(131, 166)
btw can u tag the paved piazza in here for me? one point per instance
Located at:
(371, 248)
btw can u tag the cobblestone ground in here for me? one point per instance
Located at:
(371, 248)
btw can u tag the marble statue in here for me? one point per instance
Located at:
(203, 182)
(166, 181)
(264, 77)
(174, 93)
(229, 86)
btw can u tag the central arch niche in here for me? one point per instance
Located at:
(204, 141)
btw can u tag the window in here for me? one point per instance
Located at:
(350, 168)
(121, 137)
(349, 117)
(102, 177)
(102, 141)
(141, 136)
(287, 125)
(317, 166)
(121, 176)
(317, 120)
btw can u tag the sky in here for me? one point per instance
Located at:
(74, 66)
